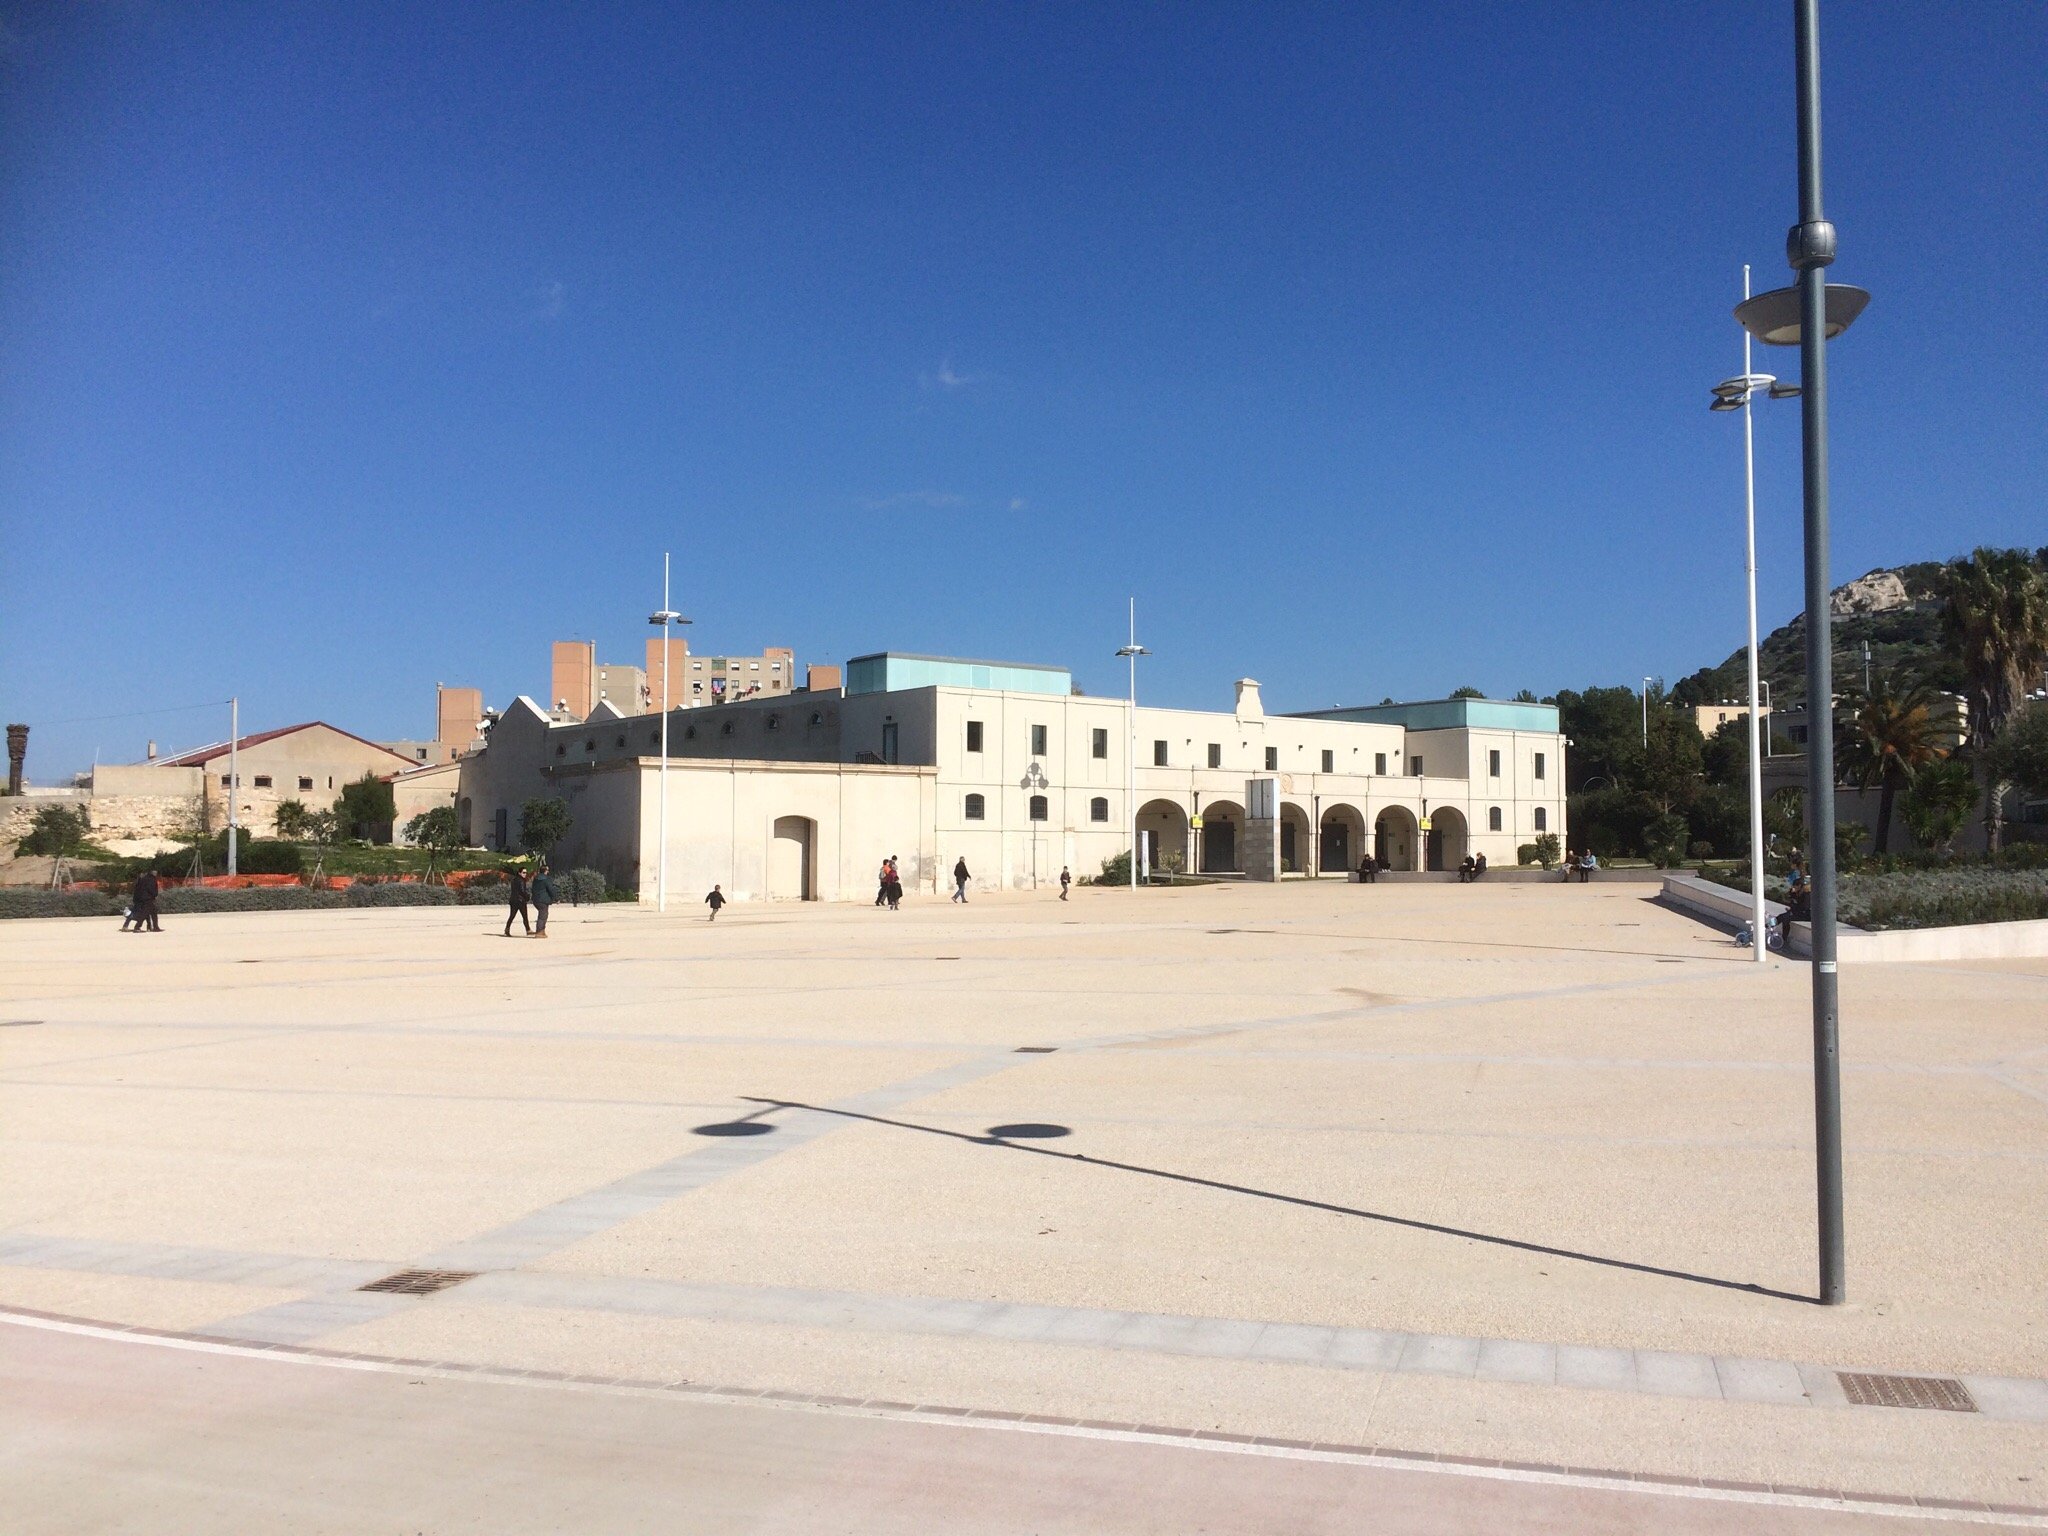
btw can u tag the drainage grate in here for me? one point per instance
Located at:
(18, 1023)
(1871, 1391)
(419, 1282)
(1034, 1050)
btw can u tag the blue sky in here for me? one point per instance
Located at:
(345, 349)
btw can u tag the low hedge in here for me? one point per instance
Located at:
(29, 901)
(1944, 898)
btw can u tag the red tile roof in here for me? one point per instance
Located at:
(202, 755)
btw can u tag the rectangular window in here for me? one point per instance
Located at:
(305, 783)
(1415, 767)
(888, 739)
(1379, 762)
(1493, 763)
(1215, 754)
(1038, 741)
(1099, 743)
(223, 781)
(1539, 765)
(1329, 760)
(974, 735)
(263, 779)
(1158, 754)
(1272, 758)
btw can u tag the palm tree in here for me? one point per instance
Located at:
(1995, 620)
(1889, 737)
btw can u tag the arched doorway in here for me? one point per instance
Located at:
(1221, 839)
(789, 859)
(1163, 834)
(1297, 840)
(1343, 839)
(1446, 839)
(1395, 837)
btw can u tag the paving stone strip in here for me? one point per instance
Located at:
(1658, 1373)
(1967, 1511)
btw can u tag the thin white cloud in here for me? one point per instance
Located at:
(548, 300)
(951, 379)
(934, 500)
(1018, 503)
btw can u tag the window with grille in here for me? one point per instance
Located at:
(1038, 808)
(977, 808)
(1098, 809)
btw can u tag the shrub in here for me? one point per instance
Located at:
(1664, 839)
(482, 893)
(581, 885)
(1116, 869)
(395, 893)
(203, 898)
(57, 831)
(268, 857)
(1603, 842)
(1525, 853)
(1547, 848)
(543, 822)
(366, 808)
(1942, 898)
(1701, 849)
(16, 901)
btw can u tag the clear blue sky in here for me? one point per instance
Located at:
(349, 348)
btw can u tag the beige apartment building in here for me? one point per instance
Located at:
(579, 682)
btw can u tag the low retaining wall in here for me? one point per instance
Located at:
(1720, 905)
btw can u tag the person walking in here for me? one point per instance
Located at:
(1066, 881)
(516, 892)
(714, 901)
(543, 891)
(960, 879)
(893, 886)
(882, 883)
(142, 902)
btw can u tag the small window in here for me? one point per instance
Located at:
(753, 666)
(1158, 754)
(1273, 759)
(1493, 818)
(817, 717)
(1098, 809)
(561, 749)
(1329, 760)
(775, 722)
(1415, 767)
(1038, 741)
(263, 779)
(726, 729)
(590, 744)
(1542, 819)
(1493, 766)
(689, 733)
(1038, 808)
(974, 735)
(330, 781)
(774, 666)
(305, 783)
(621, 741)
(976, 809)
(1215, 754)
(1379, 762)
(223, 781)
(696, 687)
(1539, 765)
(1098, 745)
(421, 753)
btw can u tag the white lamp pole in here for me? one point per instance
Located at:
(665, 619)
(1756, 720)
(1132, 652)
(234, 776)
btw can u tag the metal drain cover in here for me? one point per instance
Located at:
(1872, 1391)
(419, 1282)
(1034, 1050)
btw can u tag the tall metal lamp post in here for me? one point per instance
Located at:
(1736, 394)
(665, 619)
(1132, 652)
(1806, 316)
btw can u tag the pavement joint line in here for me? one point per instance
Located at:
(1609, 1480)
(1644, 1370)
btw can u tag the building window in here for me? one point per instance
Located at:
(1273, 759)
(1415, 767)
(1493, 818)
(1098, 809)
(590, 745)
(974, 735)
(817, 717)
(1038, 741)
(1493, 766)
(263, 779)
(1038, 807)
(1158, 754)
(1379, 762)
(1099, 743)
(726, 729)
(1542, 819)
(753, 666)
(1539, 765)
(305, 783)
(223, 781)
(1329, 761)
(561, 749)
(775, 722)
(621, 741)
(420, 753)
(1215, 754)
(689, 733)
(977, 808)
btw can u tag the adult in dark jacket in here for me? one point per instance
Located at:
(143, 902)
(960, 878)
(516, 893)
(543, 891)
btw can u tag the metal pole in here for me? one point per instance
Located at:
(234, 775)
(1756, 761)
(661, 816)
(1131, 749)
(1810, 247)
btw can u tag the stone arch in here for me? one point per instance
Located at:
(1297, 840)
(1163, 831)
(1396, 840)
(1221, 844)
(792, 859)
(1448, 841)
(1343, 839)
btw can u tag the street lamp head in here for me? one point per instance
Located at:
(1725, 403)
(1785, 389)
(1132, 650)
(665, 617)
(1743, 384)
(1773, 318)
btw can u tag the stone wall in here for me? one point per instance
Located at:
(117, 817)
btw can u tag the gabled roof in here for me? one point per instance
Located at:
(200, 756)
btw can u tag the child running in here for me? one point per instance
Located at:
(714, 901)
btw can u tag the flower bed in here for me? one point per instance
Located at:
(1943, 898)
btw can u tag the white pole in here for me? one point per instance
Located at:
(661, 819)
(1131, 748)
(1756, 720)
(234, 773)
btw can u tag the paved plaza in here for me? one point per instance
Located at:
(1460, 1204)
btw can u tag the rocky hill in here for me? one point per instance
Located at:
(1897, 612)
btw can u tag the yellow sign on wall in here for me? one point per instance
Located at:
(1195, 822)
(1425, 823)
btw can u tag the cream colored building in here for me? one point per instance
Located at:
(1711, 717)
(309, 763)
(1020, 776)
